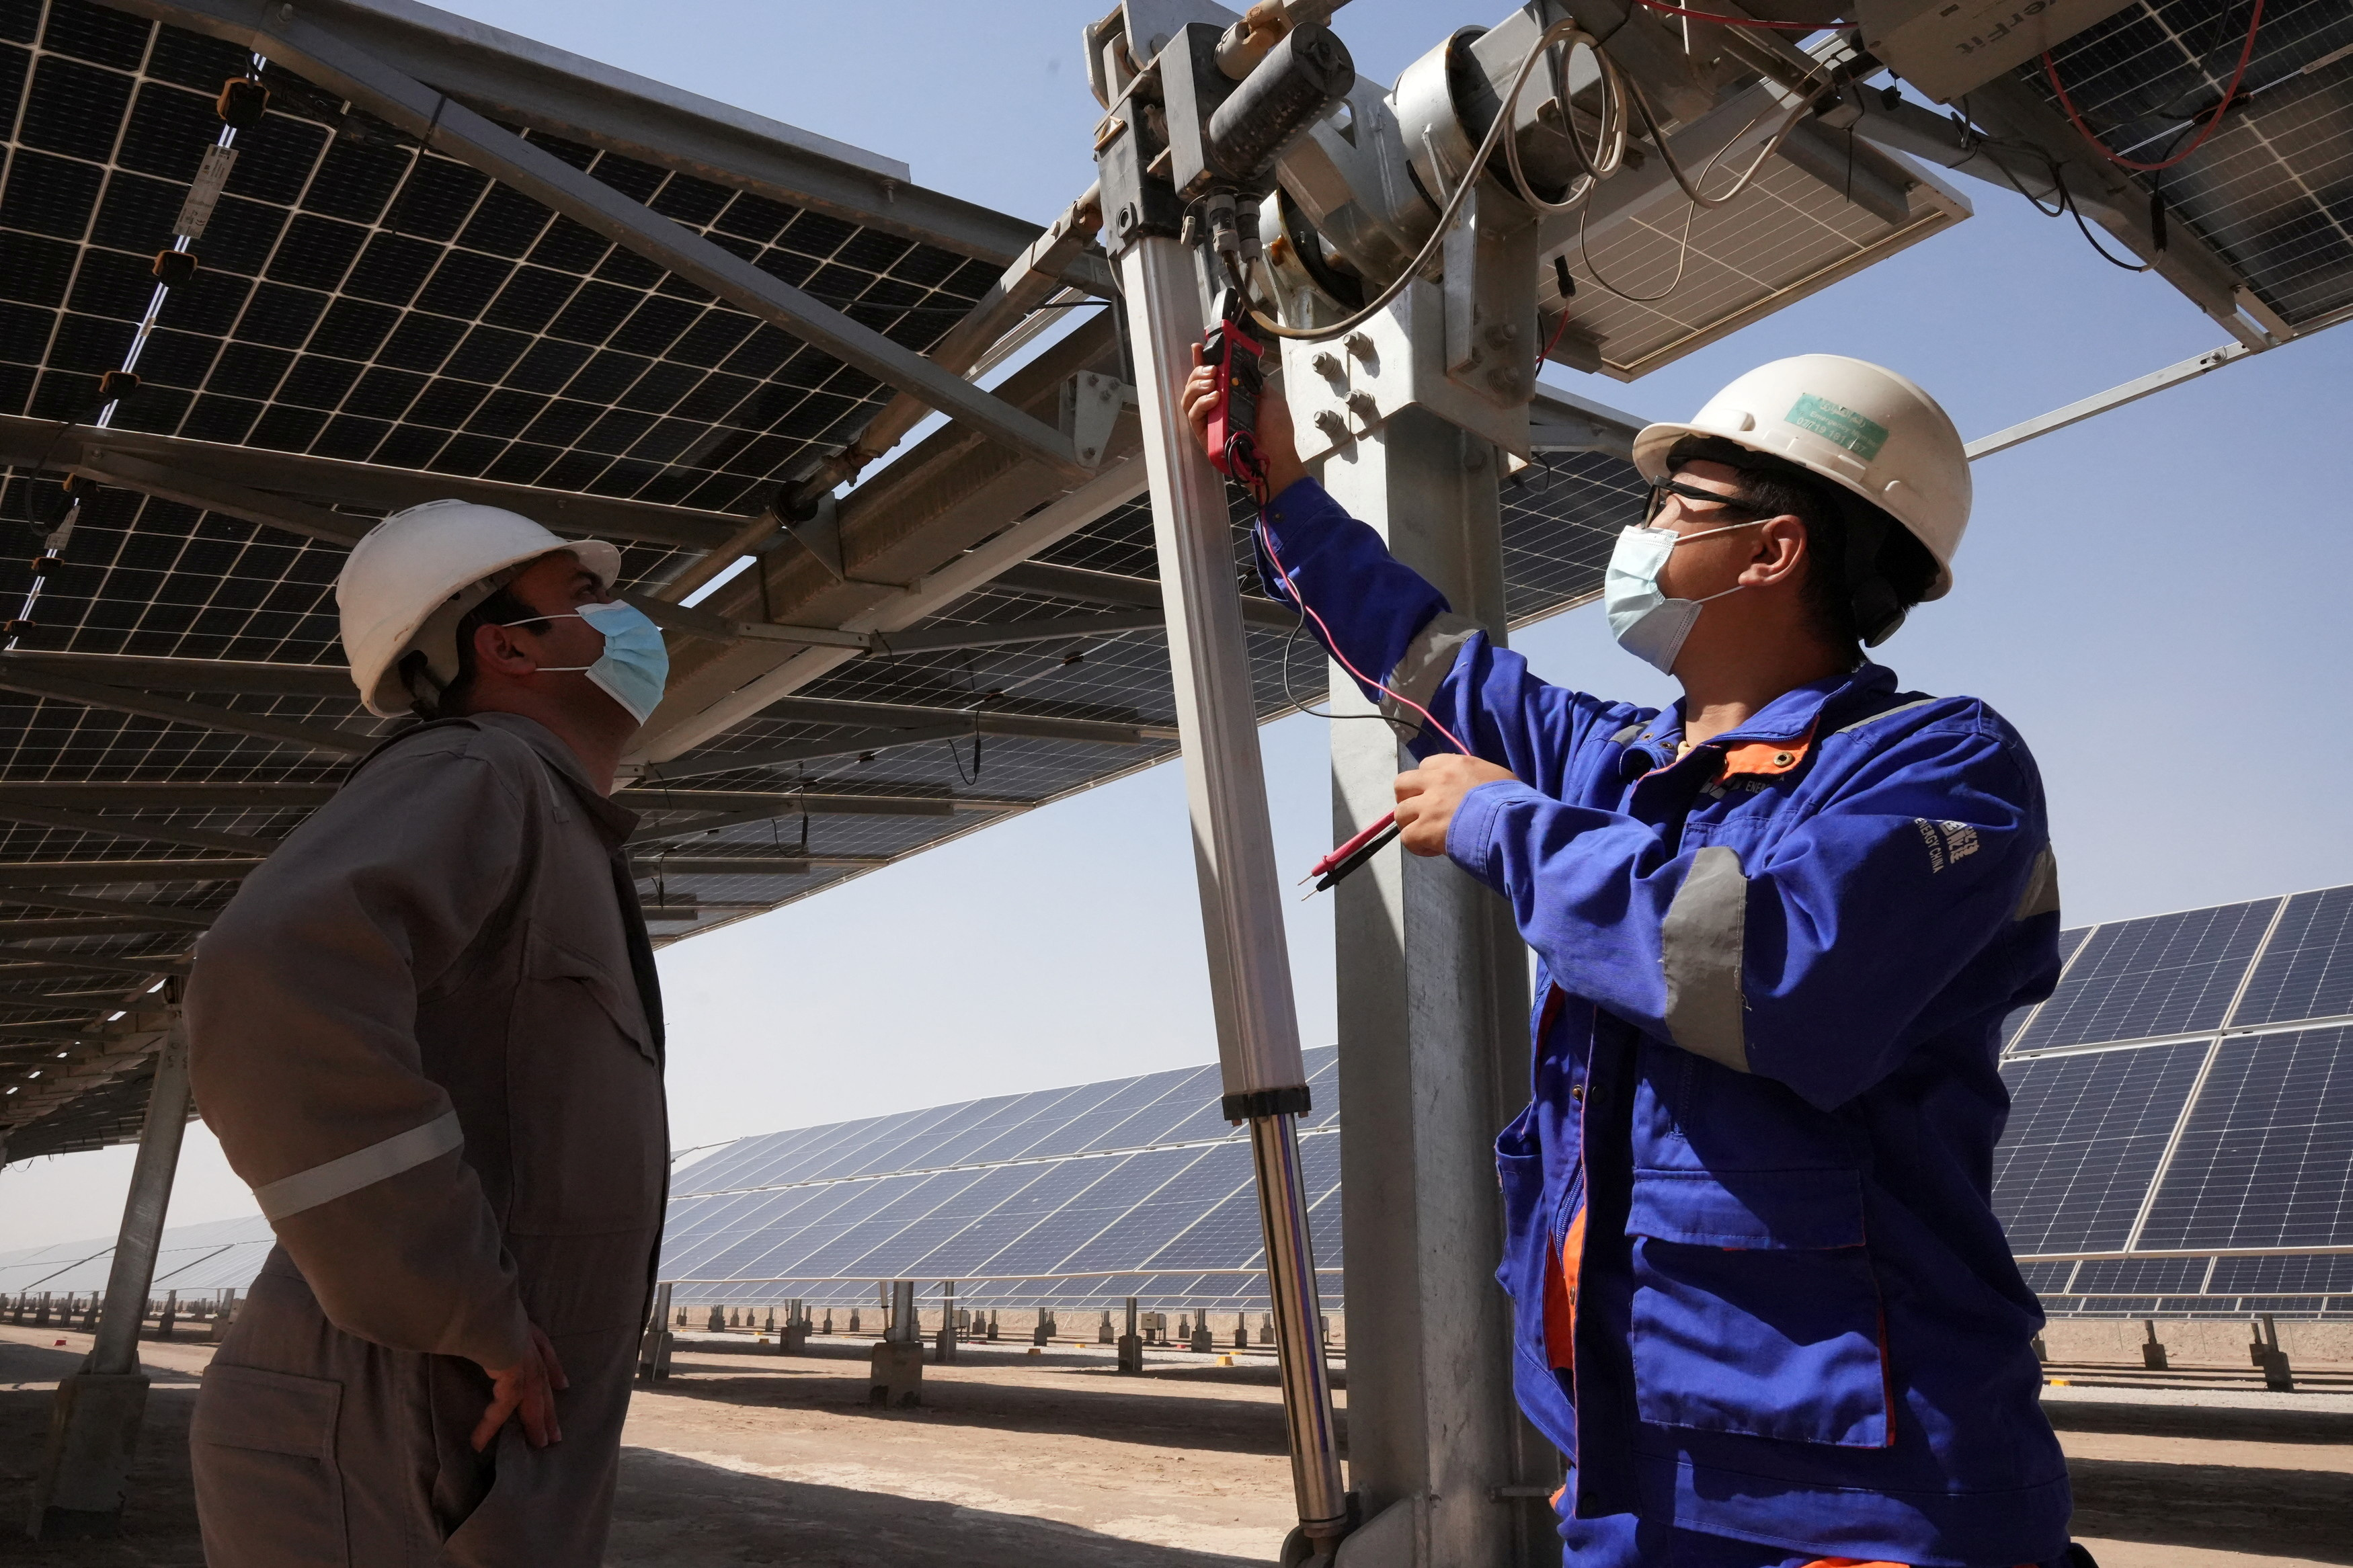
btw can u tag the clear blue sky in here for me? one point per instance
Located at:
(2157, 599)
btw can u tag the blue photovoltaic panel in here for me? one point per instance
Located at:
(2306, 1274)
(1144, 1229)
(1129, 1096)
(2046, 1279)
(2085, 1137)
(852, 1250)
(2141, 1276)
(1158, 1121)
(1121, 1184)
(2267, 1157)
(2069, 941)
(2307, 968)
(942, 1244)
(2171, 975)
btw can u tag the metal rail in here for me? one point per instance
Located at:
(1233, 846)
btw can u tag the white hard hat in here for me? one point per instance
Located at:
(415, 575)
(1860, 425)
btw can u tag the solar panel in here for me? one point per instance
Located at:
(2307, 969)
(2305, 1274)
(2266, 1159)
(2168, 974)
(2142, 1276)
(2085, 1137)
(363, 298)
(2268, 190)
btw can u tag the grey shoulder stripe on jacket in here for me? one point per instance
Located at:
(1701, 944)
(308, 1189)
(2041, 894)
(1423, 666)
(1888, 713)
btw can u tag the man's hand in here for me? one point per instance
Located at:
(1273, 436)
(1429, 796)
(526, 1389)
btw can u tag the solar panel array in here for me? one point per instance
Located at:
(1061, 1198)
(1070, 1197)
(2184, 1103)
(2272, 189)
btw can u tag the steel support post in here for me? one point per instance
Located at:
(1233, 846)
(1433, 988)
(94, 1424)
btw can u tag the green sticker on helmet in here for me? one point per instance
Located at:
(1835, 422)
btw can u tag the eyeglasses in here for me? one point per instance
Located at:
(1662, 489)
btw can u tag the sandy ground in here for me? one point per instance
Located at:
(1022, 1461)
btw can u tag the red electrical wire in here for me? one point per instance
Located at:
(2230, 96)
(1741, 21)
(1558, 333)
(1252, 465)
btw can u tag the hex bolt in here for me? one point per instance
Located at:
(1362, 406)
(1328, 364)
(1357, 344)
(1331, 425)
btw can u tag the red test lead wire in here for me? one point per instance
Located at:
(1348, 856)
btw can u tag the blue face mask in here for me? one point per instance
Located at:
(634, 665)
(1646, 623)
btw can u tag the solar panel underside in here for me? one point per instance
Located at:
(2272, 189)
(360, 297)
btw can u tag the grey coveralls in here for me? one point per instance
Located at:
(428, 1033)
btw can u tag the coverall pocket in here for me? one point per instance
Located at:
(1519, 1170)
(587, 1139)
(263, 1450)
(1754, 1307)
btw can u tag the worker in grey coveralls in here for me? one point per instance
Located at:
(429, 1034)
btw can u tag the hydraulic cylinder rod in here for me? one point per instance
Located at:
(1265, 1077)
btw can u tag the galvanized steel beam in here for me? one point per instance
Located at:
(228, 499)
(163, 914)
(132, 828)
(1432, 985)
(15, 874)
(45, 444)
(204, 715)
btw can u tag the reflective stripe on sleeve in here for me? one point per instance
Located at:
(1423, 666)
(1701, 943)
(1887, 713)
(360, 1168)
(2042, 895)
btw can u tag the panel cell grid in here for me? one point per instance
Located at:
(2085, 1137)
(2168, 974)
(2266, 1159)
(2307, 969)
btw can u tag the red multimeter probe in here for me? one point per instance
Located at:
(1239, 360)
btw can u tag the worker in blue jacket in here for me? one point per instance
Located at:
(1763, 1305)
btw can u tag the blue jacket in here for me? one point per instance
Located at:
(1754, 1177)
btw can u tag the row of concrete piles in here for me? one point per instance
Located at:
(2263, 1350)
(896, 1360)
(71, 1310)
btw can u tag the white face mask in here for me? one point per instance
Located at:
(1646, 623)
